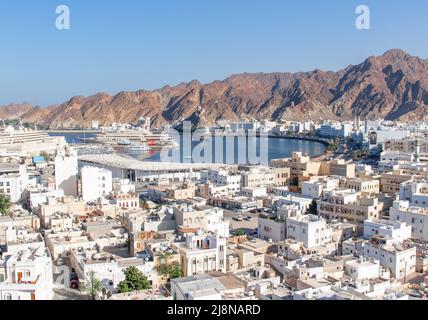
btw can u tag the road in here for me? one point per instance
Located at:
(249, 227)
(69, 294)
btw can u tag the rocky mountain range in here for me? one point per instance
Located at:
(393, 86)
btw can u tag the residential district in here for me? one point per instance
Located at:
(343, 226)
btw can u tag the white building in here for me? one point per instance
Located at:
(397, 230)
(96, 183)
(223, 178)
(95, 125)
(254, 192)
(26, 275)
(362, 269)
(396, 156)
(303, 203)
(271, 229)
(61, 244)
(258, 176)
(202, 253)
(393, 255)
(314, 188)
(107, 269)
(123, 186)
(335, 130)
(66, 169)
(416, 217)
(415, 192)
(14, 184)
(309, 229)
(206, 218)
(41, 197)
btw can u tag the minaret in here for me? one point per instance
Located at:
(366, 125)
(418, 152)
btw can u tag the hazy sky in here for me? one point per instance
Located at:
(146, 44)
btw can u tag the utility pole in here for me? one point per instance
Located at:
(405, 272)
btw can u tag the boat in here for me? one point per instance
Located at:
(129, 137)
(123, 142)
(110, 150)
(93, 150)
(138, 148)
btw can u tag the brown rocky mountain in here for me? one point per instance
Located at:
(393, 86)
(13, 111)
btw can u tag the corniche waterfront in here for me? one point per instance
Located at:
(278, 147)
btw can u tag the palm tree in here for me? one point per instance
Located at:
(93, 285)
(5, 204)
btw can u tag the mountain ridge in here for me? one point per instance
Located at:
(393, 86)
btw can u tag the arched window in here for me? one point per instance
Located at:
(206, 264)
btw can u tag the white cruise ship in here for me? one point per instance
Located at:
(138, 148)
(134, 137)
(25, 142)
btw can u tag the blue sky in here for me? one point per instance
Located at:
(146, 44)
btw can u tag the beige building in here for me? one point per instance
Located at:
(64, 205)
(243, 258)
(256, 176)
(365, 186)
(183, 192)
(281, 176)
(60, 244)
(341, 168)
(208, 190)
(300, 166)
(390, 182)
(349, 205)
(127, 200)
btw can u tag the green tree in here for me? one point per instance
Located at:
(135, 280)
(239, 233)
(5, 204)
(45, 155)
(332, 147)
(313, 208)
(93, 285)
(168, 269)
(174, 270)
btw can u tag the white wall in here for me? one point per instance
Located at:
(96, 183)
(66, 173)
